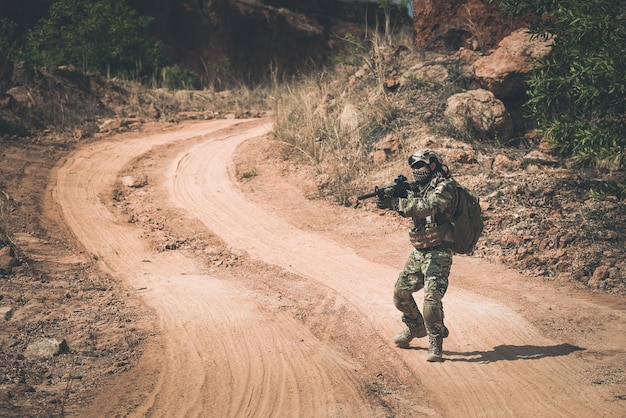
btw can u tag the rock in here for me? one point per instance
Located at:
(7, 260)
(46, 348)
(384, 148)
(538, 158)
(504, 71)
(6, 312)
(22, 96)
(7, 101)
(349, 119)
(479, 112)
(503, 163)
(431, 73)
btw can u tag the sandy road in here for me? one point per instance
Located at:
(225, 355)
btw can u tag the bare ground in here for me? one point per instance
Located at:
(185, 288)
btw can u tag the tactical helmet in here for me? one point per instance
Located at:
(425, 156)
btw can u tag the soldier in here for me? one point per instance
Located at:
(430, 204)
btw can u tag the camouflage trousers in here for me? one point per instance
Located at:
(428, 270)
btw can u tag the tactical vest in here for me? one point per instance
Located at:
(433, 231)
(429, 234)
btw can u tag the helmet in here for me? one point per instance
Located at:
(425, 156)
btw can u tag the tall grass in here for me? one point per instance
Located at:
(331, 120)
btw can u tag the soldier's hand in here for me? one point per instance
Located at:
(388, 192)
(384, 203)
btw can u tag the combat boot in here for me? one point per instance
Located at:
(435, 349)
(403, 338)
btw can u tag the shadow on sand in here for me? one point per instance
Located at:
(512, 352)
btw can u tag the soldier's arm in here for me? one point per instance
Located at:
(436, 202)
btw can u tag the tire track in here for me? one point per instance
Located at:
(222, 355)
(483, 376)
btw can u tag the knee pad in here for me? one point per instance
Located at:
(433, 312)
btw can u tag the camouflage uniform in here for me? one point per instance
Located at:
(428, 266)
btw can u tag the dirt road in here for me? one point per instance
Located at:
(300, 322)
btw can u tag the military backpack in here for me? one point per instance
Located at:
(467, 221)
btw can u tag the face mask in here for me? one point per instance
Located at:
(421, 177)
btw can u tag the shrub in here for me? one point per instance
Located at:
(105, 36)
(7, 42)
(175, 78)
(578, 93)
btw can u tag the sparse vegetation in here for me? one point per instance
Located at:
(334, 119)
(250, 173)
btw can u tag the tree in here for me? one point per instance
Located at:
(578, 93)
(101, 35)
(387, 5)
(7, 40)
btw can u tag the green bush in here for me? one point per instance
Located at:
(578, 93)
(105, 36)
(7, 40)
(175, 78)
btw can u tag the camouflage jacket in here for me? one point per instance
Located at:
(430, 208)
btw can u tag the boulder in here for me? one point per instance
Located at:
(45, 348)
(384, 148)
(505, 70)
(479, 112)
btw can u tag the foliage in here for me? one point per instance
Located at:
(608, 188)
(386, 6)
(105, 36)
(350, 50)
(7, 42)
(578, 93)
(217, 71)
(175, 78)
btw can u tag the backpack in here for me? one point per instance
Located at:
(467, 222)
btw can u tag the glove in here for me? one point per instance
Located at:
(385, 203)
(388, 198)
(389, 192)
(385, 197)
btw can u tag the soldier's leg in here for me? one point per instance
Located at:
(436, 271)
(409, 281)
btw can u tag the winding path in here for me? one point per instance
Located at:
(224, 355)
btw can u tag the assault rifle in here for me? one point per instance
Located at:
(399, 189)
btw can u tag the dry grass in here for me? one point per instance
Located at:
(333, 119)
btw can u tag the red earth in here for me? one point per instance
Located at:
(256, 300)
